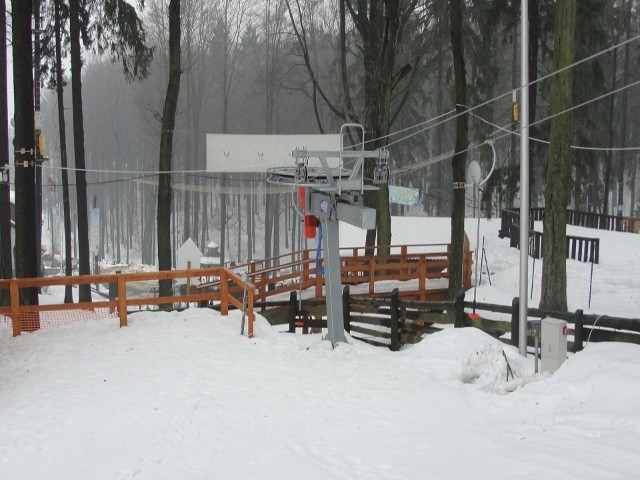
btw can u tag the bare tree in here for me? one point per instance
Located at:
(380, 25)
(166, 146)
(66, 208)
(28, 253)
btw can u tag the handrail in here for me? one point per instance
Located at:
(357, 268)
(121, 300)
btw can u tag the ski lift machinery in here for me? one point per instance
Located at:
(329, 195)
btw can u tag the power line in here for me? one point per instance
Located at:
(547, 142)
(441, 121)
(506, 94)
(449, 154)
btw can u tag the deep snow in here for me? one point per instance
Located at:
(182, 395)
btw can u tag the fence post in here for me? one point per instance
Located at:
(372, 274)
(293, 306)
(250, 312)
(224, 292)
(346, 308)
(515, 321)
(122, 300)
(459, 309)
(578, 332)
(188, 292)
(113, 292)
(395, 337)
(14, 293)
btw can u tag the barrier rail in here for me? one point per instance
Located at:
(422, 263)
(30, 317)
(511, 216)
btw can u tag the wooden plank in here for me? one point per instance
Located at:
(122, 301)
(369, 320)
(69, 306)
(370, 341)
(599, 335)
(15, 308)
(369, 331)
(488, 325)
(277, 316)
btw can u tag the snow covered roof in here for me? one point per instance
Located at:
(212, 244)
(209, 261)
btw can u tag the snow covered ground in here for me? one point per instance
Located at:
(184, 396)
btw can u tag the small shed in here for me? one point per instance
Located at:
(211, 257)
(188, 252)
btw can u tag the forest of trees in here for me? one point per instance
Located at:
(293, 66)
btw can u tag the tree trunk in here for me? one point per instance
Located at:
(379, 33)
(62, 130)
(460, 156)
(554, 268)
(223, 218)
(611, 133)
(249, 201)
(84, 264)
(166, 147)
(624, 120)
(27, 250)
(239, 244)
(439, 173)
(6, 256)
(534, 35)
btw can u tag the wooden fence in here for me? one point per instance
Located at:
(510, 216)
(582, 249)
(418, 265)
(389, 321)
(422, 263)
(32, 317)
(392, 321)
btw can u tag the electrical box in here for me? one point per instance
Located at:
(554, 344)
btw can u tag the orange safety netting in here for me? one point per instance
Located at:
(31, 321)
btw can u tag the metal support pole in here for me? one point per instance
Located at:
(332, 282)
(524, 175)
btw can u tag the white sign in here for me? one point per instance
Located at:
(257, 153)
(403, 195)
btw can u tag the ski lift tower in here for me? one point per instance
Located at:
(326, 196)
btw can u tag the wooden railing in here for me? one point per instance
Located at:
(582, 327)
(28, 317)
(391, 321)
(422, 263)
